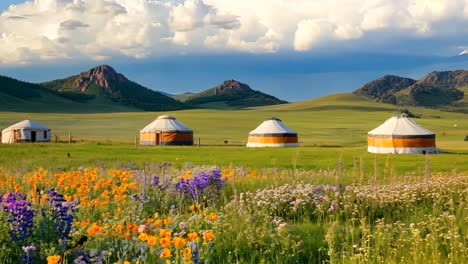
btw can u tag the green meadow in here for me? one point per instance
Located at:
(331, 129)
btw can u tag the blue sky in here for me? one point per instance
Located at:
(294, 51)
(6, 3)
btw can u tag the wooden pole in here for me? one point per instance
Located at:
(198, 141)
(69, 137)
(136, 142)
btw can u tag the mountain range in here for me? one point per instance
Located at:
(102, 89)
(436, 89)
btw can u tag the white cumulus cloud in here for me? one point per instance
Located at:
(98, 29)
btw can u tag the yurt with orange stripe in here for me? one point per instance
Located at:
(401, 135)
(272, 133)
(166, 130)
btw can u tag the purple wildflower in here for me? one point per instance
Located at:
(164, 183)
(29, 249)
(27, 257)
(21, 219)
(63, 214)
(200, 184)
(183, 187)
(155, 182)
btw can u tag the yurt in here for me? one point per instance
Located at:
(401, 135)
(272, 133)
(26, 131)
(166, 130)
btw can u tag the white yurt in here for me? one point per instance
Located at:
(26, 131)
(166, 130)
(401, 135)
(272, 133)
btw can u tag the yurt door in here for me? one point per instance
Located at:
(158, 138)
(33, 136)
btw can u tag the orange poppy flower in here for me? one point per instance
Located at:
(143, 237)
(192, 236)
(152, 241)
(212, 217)
(179, 242)
(95, 229)
(208, 236)
(165, 233)
(53, 259)
(165, 242)
(158, 223)
(165, 253)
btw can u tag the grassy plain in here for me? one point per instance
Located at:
(336, 120)
(330, 128)
(92, 154)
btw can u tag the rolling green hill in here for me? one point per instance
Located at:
(104, 81)
(229, 95)
(19, 96)
(340, 101)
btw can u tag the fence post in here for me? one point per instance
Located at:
(136, 142)
(69, 137)
(198, 141)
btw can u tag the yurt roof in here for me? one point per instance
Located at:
(166, 123)
(272, 125)
(400, 125)
(27, 124)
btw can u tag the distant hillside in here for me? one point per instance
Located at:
(383, 88)
(19, 96)
(104, 81)
(457, 78)
(436, 89)
(230, 94)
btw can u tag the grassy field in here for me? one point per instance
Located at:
(53, 156)
(337, 120)
(330, 129)
(104, 199)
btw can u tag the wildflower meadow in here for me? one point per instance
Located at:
(162, 213)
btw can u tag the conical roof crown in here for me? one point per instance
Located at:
(400, 125)
(27, 124)
(166, 123)
(272, 125)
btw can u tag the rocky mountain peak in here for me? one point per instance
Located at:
(102, 75)
(379, 87)
(229, 85)
(451, 78)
